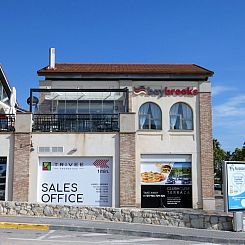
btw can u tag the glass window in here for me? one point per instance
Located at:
(3, 167)
(71, 107)
(1, 91)
(3, 95)
(150, 116)
(83, 107)
(61, 108)
(181, 117)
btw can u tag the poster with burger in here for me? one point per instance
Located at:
(166, 173)
(156, 174)
(166, 184)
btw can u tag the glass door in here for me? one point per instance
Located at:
(3, 168)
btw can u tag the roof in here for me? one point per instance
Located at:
(160, 69)
(5, 82)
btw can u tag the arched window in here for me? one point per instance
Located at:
(150, 116)
(181, 117)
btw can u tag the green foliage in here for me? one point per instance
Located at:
(221, 155)
(238, 154)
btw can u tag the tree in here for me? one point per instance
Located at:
(238, 154)
(219, 156)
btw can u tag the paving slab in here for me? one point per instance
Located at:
(142, 230)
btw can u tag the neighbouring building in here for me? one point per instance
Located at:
(6, 136)
(120, 135)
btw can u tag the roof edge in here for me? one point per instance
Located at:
(45, 70)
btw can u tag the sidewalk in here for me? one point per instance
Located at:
(143, 230)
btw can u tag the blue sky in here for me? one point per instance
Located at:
(210, 33)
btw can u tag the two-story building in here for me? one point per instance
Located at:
(116, 135)
(6, 138)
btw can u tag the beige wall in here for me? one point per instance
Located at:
(86, 144)
(166, 141)
(80, 84)
(163, 141)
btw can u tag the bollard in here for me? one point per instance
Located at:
(238, 221)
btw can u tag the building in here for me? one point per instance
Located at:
(121, 135)
(6, 125)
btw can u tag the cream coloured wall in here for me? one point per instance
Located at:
(81, 84)
(163, 141)
(76, 144)
(167, 141)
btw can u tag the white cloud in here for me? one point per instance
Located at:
(229, 121)
(234, 106)
(216, 90)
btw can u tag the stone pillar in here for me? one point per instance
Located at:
(130, 105)
(22, 145)
(206, 151)
(127, 160)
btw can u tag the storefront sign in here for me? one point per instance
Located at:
(235, 183)
(166, 184)
(142, 90)
(75, 181)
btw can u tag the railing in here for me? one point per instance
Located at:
(75, 122)
(7, 122)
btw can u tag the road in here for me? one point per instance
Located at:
(37, 237)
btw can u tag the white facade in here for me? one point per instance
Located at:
(158, 142)
(161, 145)
(76, 145)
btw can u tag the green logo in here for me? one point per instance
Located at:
(46, 166)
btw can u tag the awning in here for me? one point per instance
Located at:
(84, 96)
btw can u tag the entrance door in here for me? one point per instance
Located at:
(3, 168)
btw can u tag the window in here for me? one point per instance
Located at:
(3, 95)
(3, 168)
(181, 117)
(150, 116)
(85, 107)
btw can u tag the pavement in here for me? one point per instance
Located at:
(128, 229)
(141, 230)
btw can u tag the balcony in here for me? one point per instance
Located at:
(7, 122)
(77, 110)
(75, 123)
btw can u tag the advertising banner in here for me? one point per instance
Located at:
(166, 184)
(75, 181)
(235, 185)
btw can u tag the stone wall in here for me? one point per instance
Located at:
(206, 151)
(22, 143)
(127, 170)
(180, 218)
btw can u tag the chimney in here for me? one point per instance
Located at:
(52, 58)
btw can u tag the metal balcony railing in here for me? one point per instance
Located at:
(7, 122)
(75, 122)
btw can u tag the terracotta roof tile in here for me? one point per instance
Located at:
(126, 69)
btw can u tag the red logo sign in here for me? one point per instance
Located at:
(101, 163)
(142, 90)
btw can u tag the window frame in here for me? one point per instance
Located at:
(150, 119)
(181, 118)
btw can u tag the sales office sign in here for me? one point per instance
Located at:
(75, 181)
